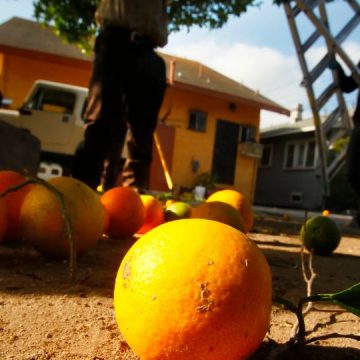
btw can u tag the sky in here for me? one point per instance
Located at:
(256, 50)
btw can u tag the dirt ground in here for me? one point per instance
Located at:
(44, 316)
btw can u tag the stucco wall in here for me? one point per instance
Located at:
(190, 144)
(21, 69)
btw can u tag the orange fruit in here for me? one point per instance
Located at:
(237, 200)
(125, 210)
(9, 178)
(219, 211)
(42, 223)
(154, 213)
(3, 219)
(325, 213)
(193, 289)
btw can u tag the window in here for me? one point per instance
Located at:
(296, 197)
(300, 155)
(197, 120)
(247, 133)
(266, 158)
(54, 100)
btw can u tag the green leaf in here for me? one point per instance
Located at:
(74, 20)
(349, 298)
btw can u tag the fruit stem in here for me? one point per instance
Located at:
(299, 337)
(64, 214)
(16, 187)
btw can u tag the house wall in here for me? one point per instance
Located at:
(193, 145)
(275, 185)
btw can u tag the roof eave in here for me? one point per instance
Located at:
(39, 55)
(229, 97)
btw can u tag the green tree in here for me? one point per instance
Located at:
(73, 20)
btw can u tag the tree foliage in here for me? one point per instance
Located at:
(73, 20)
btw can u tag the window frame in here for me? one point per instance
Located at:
(37, 101)
(271, 152)
(199, 116)
(300, 157)
(247, 133)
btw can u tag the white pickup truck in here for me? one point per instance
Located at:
(52, 112)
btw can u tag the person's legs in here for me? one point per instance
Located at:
(104, 115)
(144, 98)
(89, 155)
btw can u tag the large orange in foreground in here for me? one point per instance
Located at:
(10, 178)
(193, 289)
(42, 223)
(154, 213)
(237, 200)
(125, 210)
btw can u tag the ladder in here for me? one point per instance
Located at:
(337, 123)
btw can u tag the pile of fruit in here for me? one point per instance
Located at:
(192, 286)
(36, 212)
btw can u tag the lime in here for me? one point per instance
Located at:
(177, 210)
(321, 235)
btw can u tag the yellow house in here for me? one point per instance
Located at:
(208, 122)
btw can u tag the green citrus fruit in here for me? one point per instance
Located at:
(177, 210)
(321, 235)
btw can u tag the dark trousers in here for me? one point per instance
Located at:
(125, 93)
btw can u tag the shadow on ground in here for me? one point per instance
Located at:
(271, 351)
(24, 270)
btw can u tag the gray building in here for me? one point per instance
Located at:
(289, 173)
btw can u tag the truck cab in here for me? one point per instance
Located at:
(52, 112)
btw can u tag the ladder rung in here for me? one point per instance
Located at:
(319, 68)
(355, 5)
(312, 4)
(346, 30)
(295, 10)
(325, 96)
(310, 41)
(341, 132)
(336, 164)
(331, 120)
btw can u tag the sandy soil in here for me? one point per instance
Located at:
(44, 316)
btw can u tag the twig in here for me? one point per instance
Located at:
(331, 336)
(309, 275)
(16, 187)
(298, 331)
(283, 348)
(309, 278)
(64, 214)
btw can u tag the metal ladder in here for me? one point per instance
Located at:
(337, 123)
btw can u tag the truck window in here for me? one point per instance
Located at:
(52, 100)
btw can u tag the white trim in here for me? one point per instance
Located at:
(299, 157)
